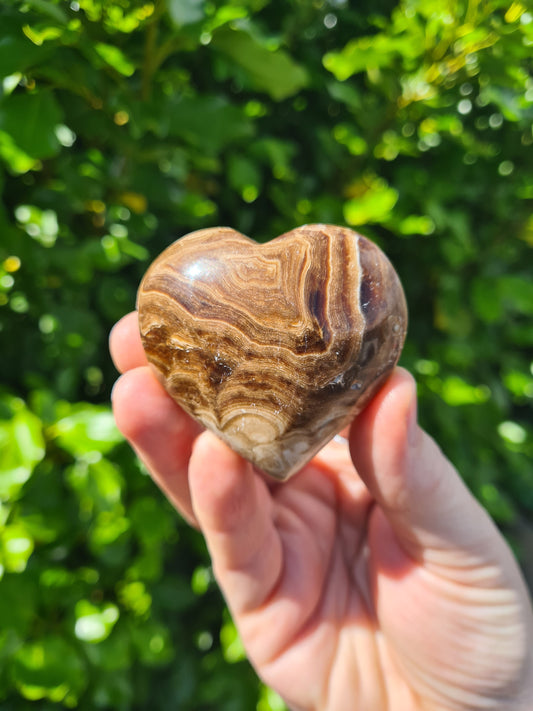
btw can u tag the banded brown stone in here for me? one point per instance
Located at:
(275, 347)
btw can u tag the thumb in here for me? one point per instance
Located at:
(432, 514)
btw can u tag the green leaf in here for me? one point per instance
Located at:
(366, 53)
(97, 481)
(134, 597)
(18, 602)
(17, 53)
(244, 176)
(115, 57)
(52, 10)
(201, 579)
(112, 653)
(42, 34)
(49, 668)
(15, 159)
(17, 547)
(152, 521)
(486, 299)
(277, 154)
(416, 225)
(209, 122)
(94, 622)
(497, 503)
(519, 383)
(231, 643)
(108, 528)
(186, 12)
(270, 701)
(88, 428)
(273, 71)
(31, 120)
(345, 135)
(153, 643)
(490, 297)
(374, 205)
(455, 392)
(346, 93)
(21, 447)
(512, 432)
(517, 292)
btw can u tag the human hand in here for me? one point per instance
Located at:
(370, 581)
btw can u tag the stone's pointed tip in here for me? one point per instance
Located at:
(274, 347)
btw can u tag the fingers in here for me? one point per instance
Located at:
(125, 344)
(159, 431)
(233, 507)
(426, 503)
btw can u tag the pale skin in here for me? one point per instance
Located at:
(370, 581)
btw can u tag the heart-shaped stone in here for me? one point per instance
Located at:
(275, 347)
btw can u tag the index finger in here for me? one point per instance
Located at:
(125, 344)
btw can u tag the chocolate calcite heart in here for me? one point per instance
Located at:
(275, 347)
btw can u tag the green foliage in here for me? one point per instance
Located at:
(127, 123)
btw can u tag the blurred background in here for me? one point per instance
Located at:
(125, 124)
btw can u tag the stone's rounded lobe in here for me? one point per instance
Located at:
(274, 347)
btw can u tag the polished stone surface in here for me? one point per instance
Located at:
(274, 347)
